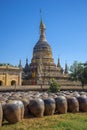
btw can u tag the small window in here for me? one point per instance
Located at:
(13, 83)
(1, 83)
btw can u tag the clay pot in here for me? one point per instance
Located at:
(49, 106)
(1, 114)
(13, 111)
(36, 107)
(61, 105)
(73, 104)
(26, 104)
(82, 103)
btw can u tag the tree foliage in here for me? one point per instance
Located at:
(54, 86)
(78, 71)
(5, 64)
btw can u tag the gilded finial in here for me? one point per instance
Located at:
(42, 25)
(42, 28)
(40, 14)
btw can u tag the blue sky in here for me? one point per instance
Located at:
(66, 29)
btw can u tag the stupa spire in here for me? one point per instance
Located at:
(58, 65)
(20, 64)
(42, 28)
(26, 60)
(66, 68)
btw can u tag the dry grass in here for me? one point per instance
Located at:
(68, 121)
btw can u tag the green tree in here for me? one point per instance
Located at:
(83, 75)
(74, 71)
(54, 86)
(78, 71)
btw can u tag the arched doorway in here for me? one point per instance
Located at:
(1, 83)
(13, 83)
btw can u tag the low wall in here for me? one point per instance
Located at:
(39, 88)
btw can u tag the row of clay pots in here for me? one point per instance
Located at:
(34, 94)
(60, 105)
(15, 110)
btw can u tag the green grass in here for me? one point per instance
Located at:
(68, 121)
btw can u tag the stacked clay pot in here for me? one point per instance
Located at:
(83, 103)
(73, 104)
(49, 106)
(36, 106)
(61, 104)
(26, 104)
(13, 111)
(1, 114)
